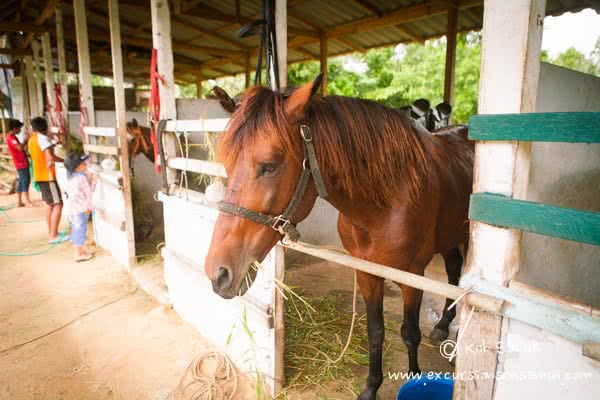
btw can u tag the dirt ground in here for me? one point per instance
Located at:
(132, 348)
(318, 278)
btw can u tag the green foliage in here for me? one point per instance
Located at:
(574, 59)
(397, 77)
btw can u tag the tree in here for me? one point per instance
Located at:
(574, 59)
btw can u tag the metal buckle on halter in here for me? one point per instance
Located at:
(306, 133)
(284, 223)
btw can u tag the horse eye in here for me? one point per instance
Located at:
(267, 169)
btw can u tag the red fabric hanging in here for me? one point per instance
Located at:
(154, 104)
(59, 113)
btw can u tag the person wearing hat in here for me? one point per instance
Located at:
(16, 148)
(79, 195)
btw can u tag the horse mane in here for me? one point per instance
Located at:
(368, 150)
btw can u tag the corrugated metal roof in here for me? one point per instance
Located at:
(212, 25)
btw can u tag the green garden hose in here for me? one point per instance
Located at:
(3, 209)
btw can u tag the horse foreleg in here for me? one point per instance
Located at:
(453, 261)
(411, 334)
(371, 288)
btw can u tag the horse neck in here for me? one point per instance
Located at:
(361, 209)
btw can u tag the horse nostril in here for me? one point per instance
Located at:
(223, 280)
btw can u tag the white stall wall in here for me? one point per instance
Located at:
(16, 97)
(536, 364)
(566, 175)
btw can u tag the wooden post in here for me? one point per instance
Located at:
(26, 117)
(161, 39)
(449, 72)
(500, 167)
(323, 62)
(62, 73)
(199, 85)
(83, 60)
(247, 72)
(48, 71)
(31, 93)
(121, 117)
(281, 32)
(35, 46)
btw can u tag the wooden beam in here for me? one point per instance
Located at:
(206, 32)
(500, 167)
(323, 63)
(35, 46)
(48, 70)
(544, 219)
(281, 26)
(161, 37)
(83, 60)
(121, 122)
(42, 18)
(449, 71)
(15, 52)
(304, 52)
(62, 73)
(349, 42)
(22, 27)
(568, 127)
(31, 92)
(400, 16)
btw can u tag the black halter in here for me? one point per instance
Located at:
(282, 223)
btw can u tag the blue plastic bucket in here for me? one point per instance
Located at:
(427, 389)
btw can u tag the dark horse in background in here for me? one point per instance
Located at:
(402, 194)
(139, 141)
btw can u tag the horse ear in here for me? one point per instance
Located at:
(297, 101)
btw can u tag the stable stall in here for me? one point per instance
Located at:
(250, 328)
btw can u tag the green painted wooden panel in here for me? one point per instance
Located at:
(560, 222)
(573, 127)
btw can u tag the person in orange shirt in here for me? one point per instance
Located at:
(41, 150)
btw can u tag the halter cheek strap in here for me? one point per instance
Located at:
(282, 223)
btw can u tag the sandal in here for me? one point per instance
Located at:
(84, 257)
(59, 239)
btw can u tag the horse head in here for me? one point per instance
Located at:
(262, 150)
(139, 140)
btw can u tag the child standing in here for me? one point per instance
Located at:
(79, 192)
(16, 148)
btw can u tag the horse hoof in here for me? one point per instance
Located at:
(437, 335)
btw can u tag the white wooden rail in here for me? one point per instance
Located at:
(203, 125)
(198, 166)
(99, 131)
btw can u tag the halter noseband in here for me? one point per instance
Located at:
(282, 223)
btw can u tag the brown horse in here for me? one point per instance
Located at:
(402, 194)
(139, 141)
